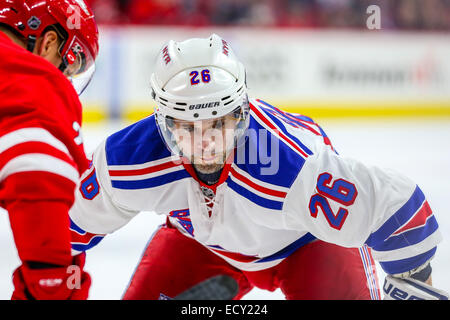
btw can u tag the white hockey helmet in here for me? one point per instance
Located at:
(199, 79)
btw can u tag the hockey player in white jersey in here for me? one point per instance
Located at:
(251, 192)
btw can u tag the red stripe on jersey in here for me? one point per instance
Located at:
(305, 124)
(418, 220)
(327, 141)
(136, 172)
(262, 189)
(281, 134)
(33, 147)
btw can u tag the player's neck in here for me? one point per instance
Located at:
(209, 178)
(13, 37)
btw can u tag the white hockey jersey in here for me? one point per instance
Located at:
(285, 187)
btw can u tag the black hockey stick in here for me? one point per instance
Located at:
(219, 287)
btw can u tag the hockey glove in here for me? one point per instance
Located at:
(410, 289)
(52, 283)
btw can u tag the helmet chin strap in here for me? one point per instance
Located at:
(62, 67)
(31, 43)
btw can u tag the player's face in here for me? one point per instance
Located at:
(205, 143)
(49, 48)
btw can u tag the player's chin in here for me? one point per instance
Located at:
(209, 165)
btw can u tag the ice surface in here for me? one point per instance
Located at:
(417, 148)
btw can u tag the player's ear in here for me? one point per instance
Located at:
(47, 47)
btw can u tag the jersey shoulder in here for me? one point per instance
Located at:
(136, 144)
(32, 88)
(302, 129)
(277, 145)
(31, 77)
(137, 158)
(35, 94)
(271, 157)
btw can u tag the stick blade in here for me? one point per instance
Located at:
(221, 287)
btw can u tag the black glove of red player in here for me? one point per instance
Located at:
(51, 283)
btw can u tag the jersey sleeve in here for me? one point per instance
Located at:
(343, 201)
(95, 213)
(37, 181)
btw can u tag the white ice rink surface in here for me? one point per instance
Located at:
(419, 149)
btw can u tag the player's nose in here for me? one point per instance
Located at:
(207, 143)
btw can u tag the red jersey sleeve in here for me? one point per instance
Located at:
(41, 153)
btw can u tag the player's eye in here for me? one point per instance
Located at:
(237, 112)
(188, 127)
(218, 124)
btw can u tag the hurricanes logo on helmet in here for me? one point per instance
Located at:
(72, 54)
(77, 48)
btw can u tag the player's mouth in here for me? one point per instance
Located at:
(208, 159)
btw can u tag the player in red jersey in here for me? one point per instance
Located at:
(41, 147)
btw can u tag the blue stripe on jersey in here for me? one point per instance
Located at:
(263, 202)
(408, 238)
(151, 182)
(290, 249)
(295, 115)
(281, 125)
(76, 228)
(276, 164)
(83, 247)
(136, 144)
(400, 266)
(397, 219)
(307, 119)
(216, 247)
(283, 114)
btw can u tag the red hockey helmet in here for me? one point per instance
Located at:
(72, 19)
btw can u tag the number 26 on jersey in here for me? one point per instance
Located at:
(340, 191)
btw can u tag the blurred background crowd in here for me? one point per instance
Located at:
(395, 14)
